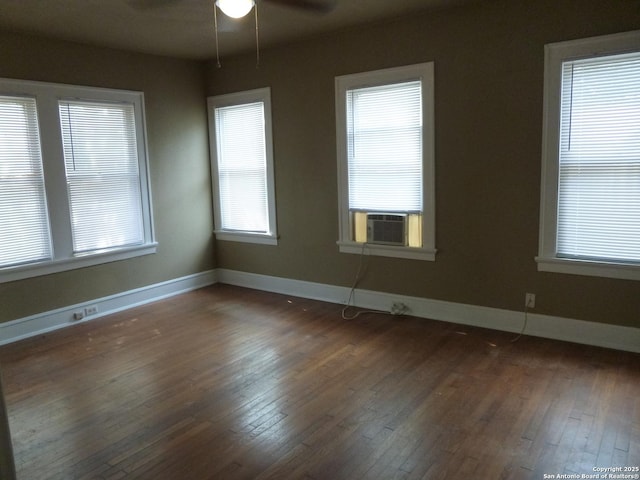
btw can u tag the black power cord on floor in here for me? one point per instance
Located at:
(359, 276)
(524, 325)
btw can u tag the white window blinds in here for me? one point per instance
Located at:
(24, 225)
(242, 167)
(103, 180)
(384, 147)
(599, 166)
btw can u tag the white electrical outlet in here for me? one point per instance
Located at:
(91, 310)
(530, 300)
(79, 315)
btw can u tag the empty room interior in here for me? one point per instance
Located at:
(337, 239)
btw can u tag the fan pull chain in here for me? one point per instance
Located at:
(215, 25)
(255, 7)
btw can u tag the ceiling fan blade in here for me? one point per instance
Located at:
(317, 6)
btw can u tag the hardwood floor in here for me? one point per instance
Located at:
(229, 383)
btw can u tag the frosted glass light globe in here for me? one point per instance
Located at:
(235, 8)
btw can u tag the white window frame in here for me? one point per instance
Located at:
(425, 73)
(259, 95)
(555, 54)
(47, 96)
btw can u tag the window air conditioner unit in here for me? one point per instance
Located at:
(387, 229)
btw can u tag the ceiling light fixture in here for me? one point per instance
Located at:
(235, 8)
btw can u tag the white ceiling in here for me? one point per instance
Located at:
(184, 28)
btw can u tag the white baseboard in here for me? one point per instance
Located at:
(63, 317)
(557, 328)
(546, 326)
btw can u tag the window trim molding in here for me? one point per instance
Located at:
(425, 73)
(247, 237)
(238, 98)
(47, 95)
(381, 250)
(554, 55)
(10, 274)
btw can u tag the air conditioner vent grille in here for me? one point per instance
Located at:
(387, 229)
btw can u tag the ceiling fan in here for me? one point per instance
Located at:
(238, 6)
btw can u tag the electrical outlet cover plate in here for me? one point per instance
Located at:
(530, 300)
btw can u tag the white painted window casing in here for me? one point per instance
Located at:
(385, 151)
(590, 194)
(242, 166)
(74, 213)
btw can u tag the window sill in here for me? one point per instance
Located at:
(11, 274)
(589, 267)
(246, 237)
(387, 251)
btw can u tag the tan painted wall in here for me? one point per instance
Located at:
(489, 62)
(179, 167)
(489, 67)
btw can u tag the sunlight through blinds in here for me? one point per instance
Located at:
(599, 177)
(242, 167)
(384, 147)
(24, 224)
(103, 179)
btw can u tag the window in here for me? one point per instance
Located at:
(103, 178)
(242, 165)
(590, 207)
(24, 236)
(73, 176)
(385, 141)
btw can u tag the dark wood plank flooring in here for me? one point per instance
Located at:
(229, 383)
